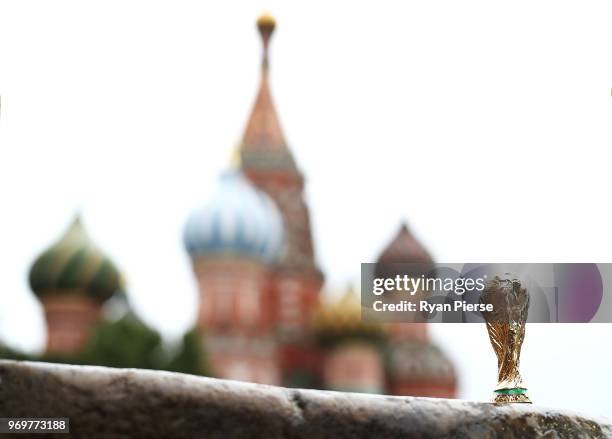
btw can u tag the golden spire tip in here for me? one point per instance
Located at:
(266, 23)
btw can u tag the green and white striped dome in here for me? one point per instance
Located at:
(75, 264)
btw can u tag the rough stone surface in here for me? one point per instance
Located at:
(129, 403)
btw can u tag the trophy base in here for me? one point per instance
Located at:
(511, 396)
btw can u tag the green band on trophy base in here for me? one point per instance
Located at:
(518, 391)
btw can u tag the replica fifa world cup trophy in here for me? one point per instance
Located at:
(506, 328)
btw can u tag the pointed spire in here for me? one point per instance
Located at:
(266, 25)
(263, 144)
(404, 248)
(76, 231)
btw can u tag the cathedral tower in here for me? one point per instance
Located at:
(267, 161)
(72, 279)
(417, 367)
(352, 349)
(232, 242)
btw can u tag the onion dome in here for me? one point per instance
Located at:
(404, 249)
(239, 220)
(75, 265)
(421, 361)
(341, 320)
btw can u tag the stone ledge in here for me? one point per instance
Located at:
(129, 403)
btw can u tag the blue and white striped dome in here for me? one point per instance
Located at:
(240, 219)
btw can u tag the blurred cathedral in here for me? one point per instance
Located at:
(261, 315)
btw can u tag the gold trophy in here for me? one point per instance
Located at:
(506, 328)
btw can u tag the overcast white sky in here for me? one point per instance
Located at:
(485, 125)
